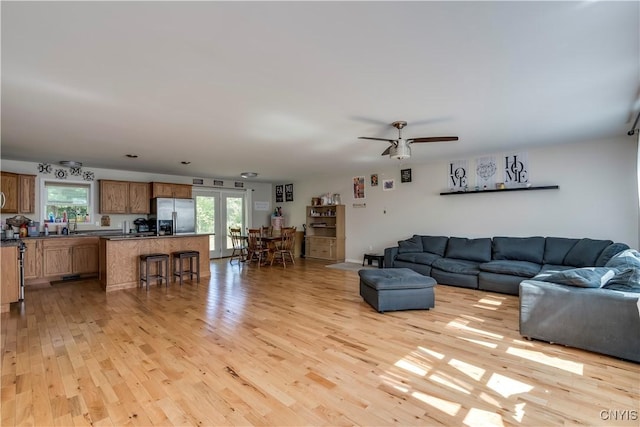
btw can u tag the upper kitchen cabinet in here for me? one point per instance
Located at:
(124, 197)
(9, 196)
(27, 193)
(177, 191)
(139, 198)
(18, 193)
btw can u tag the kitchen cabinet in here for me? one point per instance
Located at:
(325, 232)
(10, 277)
(33, 259)
(18, 193)
(114, 196)
(124, 197)
(84, 257)
(176, 191)
(26, 194)
(56, 255)
(9, 188)
(139, 197)
(52, 258)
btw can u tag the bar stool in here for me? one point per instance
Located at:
(159, 259)
(178, 271)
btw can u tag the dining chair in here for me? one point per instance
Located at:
(238, 243)
(284, 247)
(266, 231)
(256, 249)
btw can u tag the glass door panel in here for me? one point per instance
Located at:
(206, 220)
(216, 211)
(234, 217)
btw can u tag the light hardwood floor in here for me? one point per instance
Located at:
(294, 346)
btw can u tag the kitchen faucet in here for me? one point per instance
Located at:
(75, 221)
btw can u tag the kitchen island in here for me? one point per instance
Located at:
(119, 256)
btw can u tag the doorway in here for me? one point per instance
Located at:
(216, 211)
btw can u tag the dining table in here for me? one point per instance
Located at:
(270, 241)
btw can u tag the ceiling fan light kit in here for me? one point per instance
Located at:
(400, 151)
(401, 148)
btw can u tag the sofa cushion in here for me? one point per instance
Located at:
(627, 265)
(586, 277)
(469, 249)
(585, 253)
(514, 268)
(556, 249)
(552, 268)
(459, 266)
(519, 248)
(609, 252)
(413, 244)
(434, 244)
(426, 258)
(407, 256)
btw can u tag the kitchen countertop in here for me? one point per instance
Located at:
(139, 236)
(101, 234)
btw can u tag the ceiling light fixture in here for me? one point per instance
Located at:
(186, 163)
(401, 151)
(249, 174)
(71, 163)
(132, 156)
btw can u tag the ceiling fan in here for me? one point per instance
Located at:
(401, 148)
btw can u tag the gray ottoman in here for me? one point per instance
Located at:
(393, 289)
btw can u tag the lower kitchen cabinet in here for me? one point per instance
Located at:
(84, 258)
(33, 259)
(10, 277)
(57, 258)
(53, 258)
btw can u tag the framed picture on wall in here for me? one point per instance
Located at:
(374, 180)
(388, 184)
(279, 193)
(405, 175)
(358, 187)
(288, 192)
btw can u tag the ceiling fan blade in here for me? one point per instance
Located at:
(433, 139)
(377, 139)
(387, 151)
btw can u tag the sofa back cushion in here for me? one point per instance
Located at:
(413, 244)
(585, 253)
(469, 249)
(557, 248)
(609, 252)
(519, 248)
(435, 244)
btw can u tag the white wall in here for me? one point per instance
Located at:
(259, 191)
(598, 198)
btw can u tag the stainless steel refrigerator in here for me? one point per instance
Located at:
(181, 213)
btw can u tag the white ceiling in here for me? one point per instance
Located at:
(285, 88)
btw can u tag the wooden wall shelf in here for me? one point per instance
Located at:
(504, 190)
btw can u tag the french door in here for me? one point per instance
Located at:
(216, 211)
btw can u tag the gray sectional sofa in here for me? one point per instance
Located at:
(582, 293)
(496, 264)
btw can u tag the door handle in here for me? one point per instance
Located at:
(3, 199)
